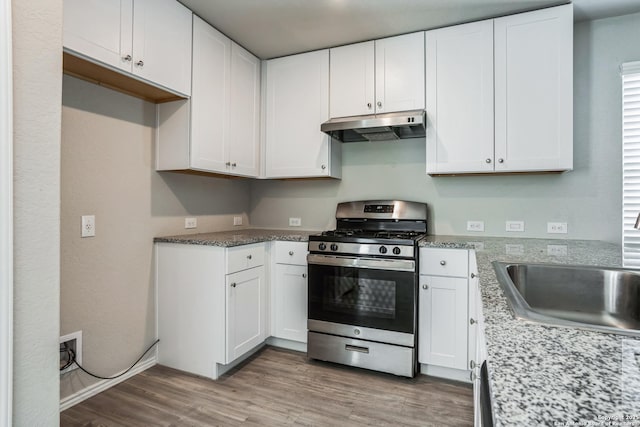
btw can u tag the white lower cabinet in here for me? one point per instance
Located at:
(289, 292)
(443, 321)
(212, 304)
(446, 312)
(245, 311)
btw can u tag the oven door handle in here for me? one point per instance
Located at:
(357, 262)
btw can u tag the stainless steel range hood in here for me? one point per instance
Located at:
(377, 127)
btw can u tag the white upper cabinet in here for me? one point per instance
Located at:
(217, 130)
(297, 103)
(400, 73)
(460, 98)
(149, 39)
(244, 113)
(101, 30)
(521, 68)
(209, 98)
(534, 90)
(352, 71)
(378, 76)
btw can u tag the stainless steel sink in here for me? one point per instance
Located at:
(601, 299)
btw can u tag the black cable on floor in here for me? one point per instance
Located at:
(73, 360)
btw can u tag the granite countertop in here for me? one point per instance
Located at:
(238, 237)
(545, 375)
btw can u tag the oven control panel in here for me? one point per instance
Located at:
(388, 251)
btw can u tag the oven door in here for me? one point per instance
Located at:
(365, 292)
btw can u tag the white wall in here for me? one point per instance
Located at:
(37, 72)
(6, 216)
(107, 288)
(588, 198)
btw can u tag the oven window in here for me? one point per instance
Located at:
(361, 295)
(380, 299)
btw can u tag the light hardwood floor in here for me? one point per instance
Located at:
(277, 387)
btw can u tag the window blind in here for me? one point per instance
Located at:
(630, 162)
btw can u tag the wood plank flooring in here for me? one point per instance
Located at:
(277, 387)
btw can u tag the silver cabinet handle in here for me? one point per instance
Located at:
(304, 275)
(472, 377)
(425, 286)
(472, 364)
(473, 275)
(488, 160)
(234, 284)
(140, 63)
(379, 104)
(369, 105)
(323, 167)
(228, 164)
(291, 253)
(127, 58)
(233, 165)
(443, 262)
(500, 160)
(472, 321)
(249, 256)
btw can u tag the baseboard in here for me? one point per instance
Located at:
(288, 344)
(447, 373)
(103, 385)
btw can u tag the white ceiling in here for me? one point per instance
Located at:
(272, 28)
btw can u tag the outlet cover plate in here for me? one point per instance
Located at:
(295, 222)
(514, 226)
(475, 226)
(190, 222)
(237, 220)
(76, 338)
(88, 226)
(557, 227)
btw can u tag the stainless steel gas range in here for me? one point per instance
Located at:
(363, 279)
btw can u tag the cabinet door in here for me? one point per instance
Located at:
(460, 98)
(100, 30)
(245, 311)
(442, 339)
(244, 112)
(534, 90)
(162, 43)
(297, 104)
(289, 302)
(352, 72)
(400, 73)
(209, 98)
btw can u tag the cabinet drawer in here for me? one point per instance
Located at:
(294, 253)
(444, 262)
(242, 257)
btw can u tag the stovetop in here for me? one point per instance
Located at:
(380, 235)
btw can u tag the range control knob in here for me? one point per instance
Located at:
(334, 247)
(396, 251)
(322, 246)
(383, 250)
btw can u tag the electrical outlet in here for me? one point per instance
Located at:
(514, 226)
(295, 222)
(190, 222)
(557, 250)
(475, 225)
(71, 341)
(237, 220)
(88, 226)
(557, 227)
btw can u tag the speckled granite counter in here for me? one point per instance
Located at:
(237, 237)
(543, 375)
